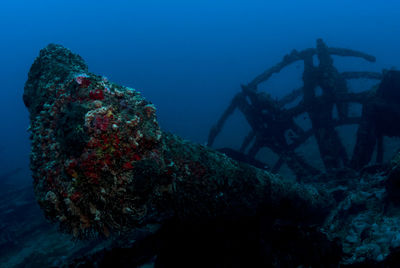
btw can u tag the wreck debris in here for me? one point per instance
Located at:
(378, 117)
(271, 121)
(102, 165)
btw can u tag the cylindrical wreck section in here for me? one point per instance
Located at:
(101, 163)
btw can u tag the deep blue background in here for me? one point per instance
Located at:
(188, 57)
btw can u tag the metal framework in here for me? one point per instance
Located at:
(271, 123)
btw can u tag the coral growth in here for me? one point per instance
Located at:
(112, 141)
(101, 164)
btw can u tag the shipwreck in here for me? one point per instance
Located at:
(102, 168)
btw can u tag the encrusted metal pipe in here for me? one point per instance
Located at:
(101, 163)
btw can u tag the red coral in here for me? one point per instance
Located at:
(98, 94)
(116, 140)
(75, 196)
(136, 157)
(94, 143)
(102, 123)
(128, 165)
(108, 160)
(70, 168)
(83, 81)
(93, 177)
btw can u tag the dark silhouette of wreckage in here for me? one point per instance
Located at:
(273, 124)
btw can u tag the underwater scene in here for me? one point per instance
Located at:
(200, 133)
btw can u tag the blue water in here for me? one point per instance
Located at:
(188, 57)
